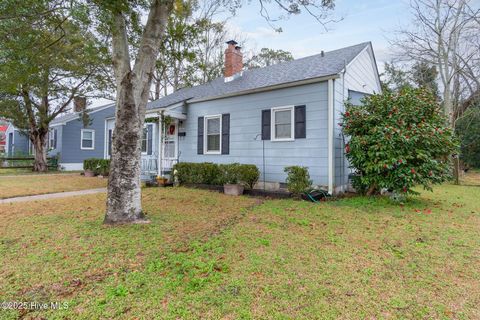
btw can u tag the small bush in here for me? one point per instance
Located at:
(216, 174)
(230, 173)
(298, 179)
(248, 174)
(98, 166)
(198, 173)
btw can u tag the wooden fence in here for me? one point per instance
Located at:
(25, 162)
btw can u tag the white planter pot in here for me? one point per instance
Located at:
(233, 189)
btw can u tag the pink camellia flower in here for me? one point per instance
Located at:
(413, 170)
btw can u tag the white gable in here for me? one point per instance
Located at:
(361, 73)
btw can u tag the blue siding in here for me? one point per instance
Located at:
(20, 143)
(70, 137)
(245, 125)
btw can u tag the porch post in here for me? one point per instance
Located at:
(160, 143)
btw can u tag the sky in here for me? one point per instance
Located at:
(374, 20)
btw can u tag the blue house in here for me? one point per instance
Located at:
(273, 117)
(17, 142)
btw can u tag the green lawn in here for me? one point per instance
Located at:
(209, 256)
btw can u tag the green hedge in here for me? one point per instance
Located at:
(98, 166)
(216, 174)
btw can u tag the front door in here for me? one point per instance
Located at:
(170, 146)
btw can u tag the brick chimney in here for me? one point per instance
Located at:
(233, 59)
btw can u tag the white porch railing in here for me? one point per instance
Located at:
(150, 165)
(167, 165)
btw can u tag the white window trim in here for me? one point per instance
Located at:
(272, 123)
(145, 125)
(81, 139)
(205, 145)
(51, 136)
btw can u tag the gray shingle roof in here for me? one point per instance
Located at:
(73, 115)
(297, 70)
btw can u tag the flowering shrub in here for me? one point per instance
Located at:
(397, 141)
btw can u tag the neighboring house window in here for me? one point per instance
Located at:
(87, 139)
(212, 134)
(147, 139)
(282, 120)
(52, 139)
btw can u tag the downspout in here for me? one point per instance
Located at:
(160, 142)
(341, 132)
(331, 150)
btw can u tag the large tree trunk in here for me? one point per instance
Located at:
(133, 88)
(124, 195)
(39, 143)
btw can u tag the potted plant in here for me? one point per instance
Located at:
(162, 180)
(231, 184)
(88, 167)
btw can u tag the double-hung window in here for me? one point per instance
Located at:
(212, 134)
(52, 139)
(87, 139)
(147, 136)
(282, 123)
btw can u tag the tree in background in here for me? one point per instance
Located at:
(420, 75)
(267, 57)
(394, 77)
(445, 34)
(425, 75)
(468, 130)
(177, 53)
(46, 59)
(398, 140)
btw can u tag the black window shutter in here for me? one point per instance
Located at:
(300, 122)
(109, 142)
(200, 136)
(54, 138)
(149, 139)
(266, 125)
(226, 133)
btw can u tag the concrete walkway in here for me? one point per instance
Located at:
(53, 195)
